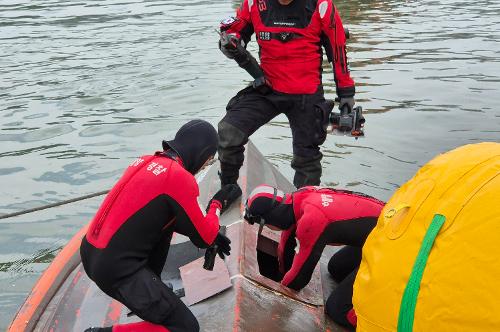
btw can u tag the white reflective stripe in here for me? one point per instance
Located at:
(322, 8)
(265, 189)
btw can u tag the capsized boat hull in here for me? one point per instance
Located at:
(65, 299)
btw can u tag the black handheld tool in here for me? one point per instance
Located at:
(211, 252)
(348, 122)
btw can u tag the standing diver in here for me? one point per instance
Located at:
(127, 242)
(290, 35)
(317, 217)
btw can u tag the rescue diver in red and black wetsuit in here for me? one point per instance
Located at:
(127, 242)
(290, 35)
(318, 217)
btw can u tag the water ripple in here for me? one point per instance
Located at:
(87, 86)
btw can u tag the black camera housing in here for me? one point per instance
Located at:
(348, 122)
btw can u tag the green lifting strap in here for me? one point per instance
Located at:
(409, 300)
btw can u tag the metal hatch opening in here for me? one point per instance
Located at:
(267, 258)
(260, 264)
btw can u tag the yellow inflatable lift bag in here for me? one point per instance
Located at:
(432, 263)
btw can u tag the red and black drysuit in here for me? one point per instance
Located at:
(290, 39)
(127, 242)
(318, 217)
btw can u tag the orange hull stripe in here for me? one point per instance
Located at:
(32, 308)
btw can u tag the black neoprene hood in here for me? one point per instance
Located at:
(274, 211)
(194, 142)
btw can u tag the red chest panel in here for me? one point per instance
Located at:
(290, 44)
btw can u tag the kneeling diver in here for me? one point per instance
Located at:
(317, 217)
(127, 242)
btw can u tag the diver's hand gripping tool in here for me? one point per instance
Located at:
(211, 252)
(245, 60)
(347, 122)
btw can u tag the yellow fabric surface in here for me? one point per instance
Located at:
(460, 288)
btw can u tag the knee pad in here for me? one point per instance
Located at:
(230, 135)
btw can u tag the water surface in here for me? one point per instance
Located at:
(86, 86)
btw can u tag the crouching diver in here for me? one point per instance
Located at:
(317, 217)
(127, 242)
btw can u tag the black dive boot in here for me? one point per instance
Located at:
(235, 192)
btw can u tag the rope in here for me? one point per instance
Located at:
(48, 206)
(81, 198)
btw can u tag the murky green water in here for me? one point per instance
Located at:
(85, 86)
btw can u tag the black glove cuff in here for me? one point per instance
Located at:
(346, 92)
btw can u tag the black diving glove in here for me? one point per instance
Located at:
(262, 85)
(228, 44)
(226, 196)
(349, 102)
(223, 245)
